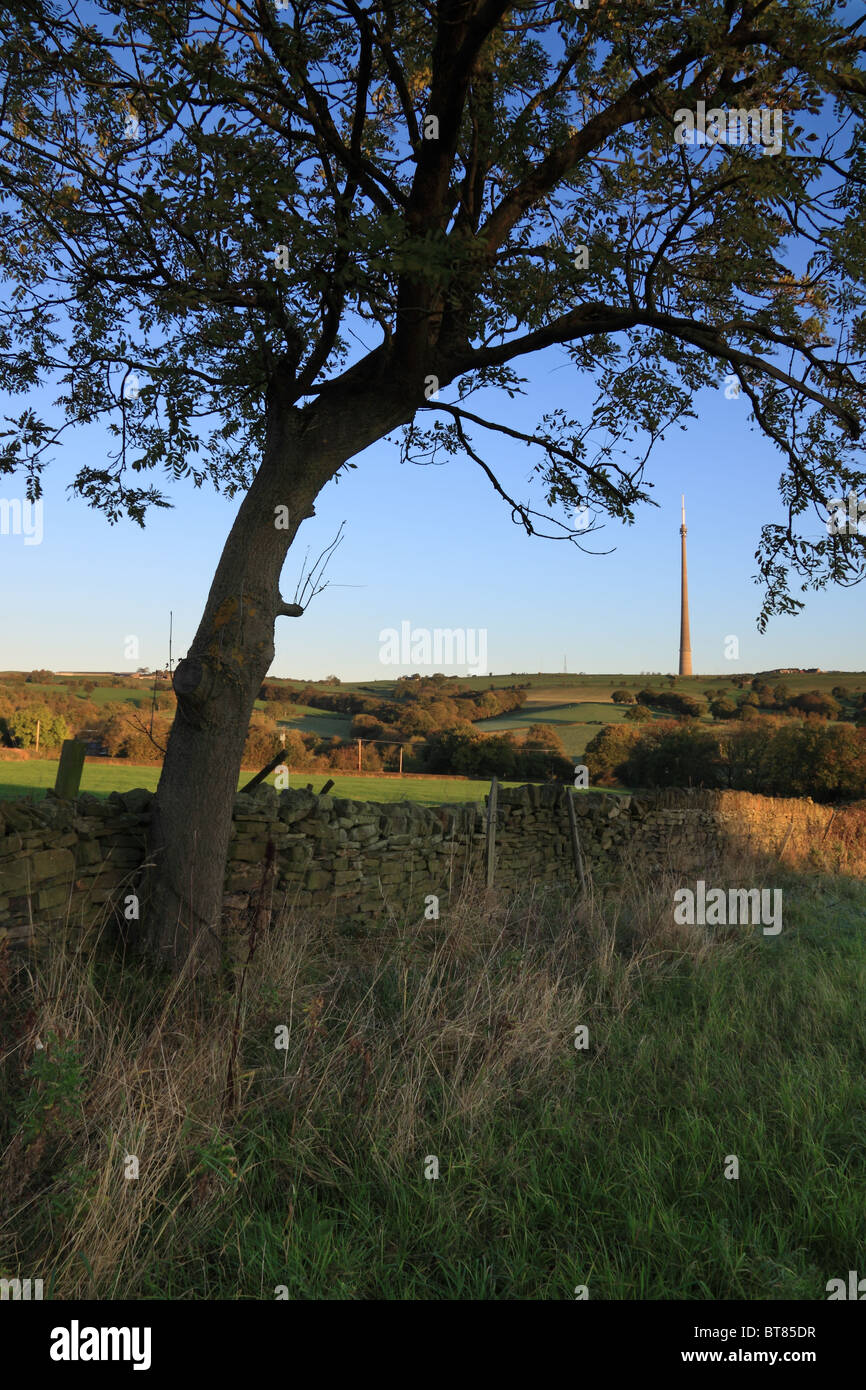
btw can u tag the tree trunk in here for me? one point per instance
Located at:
(218, 681)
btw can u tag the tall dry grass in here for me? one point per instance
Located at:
(412, 1025)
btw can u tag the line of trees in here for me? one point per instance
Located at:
(20, 728)
(758, 696)
(813, 758)
(472, 754)
(421, 706)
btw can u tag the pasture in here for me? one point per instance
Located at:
(31, 779)
(702, 1045)
(549, 687)
(576, 706)
(575, 723)
(557, 1167)
(326, 723)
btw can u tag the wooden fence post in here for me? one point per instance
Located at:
(260, 776)
(575, 839)
(492, 799)
(788, 833)
(69, 768)
(829, 823)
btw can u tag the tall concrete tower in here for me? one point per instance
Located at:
(685, 639)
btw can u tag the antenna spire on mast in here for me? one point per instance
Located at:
(685, 637)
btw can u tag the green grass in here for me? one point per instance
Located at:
(22, 779)
(575, 723)
(545, 687)
(34, 777)
(557, 1167)
(575, 705)
(139, 694)
(432, 791)
(324, 722)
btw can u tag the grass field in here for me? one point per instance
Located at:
(574, 723)
(547, 687)
(24, 779)
(557, 1167)
(575, 705)
(544, 687)
(324, 722)
(139, 694)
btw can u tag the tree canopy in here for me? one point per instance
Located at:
(207, 207)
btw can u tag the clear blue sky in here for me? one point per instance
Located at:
(437, 548)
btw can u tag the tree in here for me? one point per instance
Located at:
(679, 756)
(686, 706)
(824, 761)
(208, 206)
(543, 738)
(638, 714)
(622, 697)
(297, 754)
(723, 709)
(53, 728)
(816, 702)
(262, 741)
(607, 751)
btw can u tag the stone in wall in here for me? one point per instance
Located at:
(66, 866)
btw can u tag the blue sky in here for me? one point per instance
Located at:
(436, 547)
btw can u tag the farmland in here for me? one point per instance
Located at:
(574, 722)
(33, 778)
(325, 722)
(573, 708)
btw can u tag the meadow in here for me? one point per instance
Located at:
(574, 723)
(575, 706)
(324, 722)
(23, 780)
(431, 1130)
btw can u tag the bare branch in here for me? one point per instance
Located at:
(312, 582)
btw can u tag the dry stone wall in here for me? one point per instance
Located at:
(68, 867)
